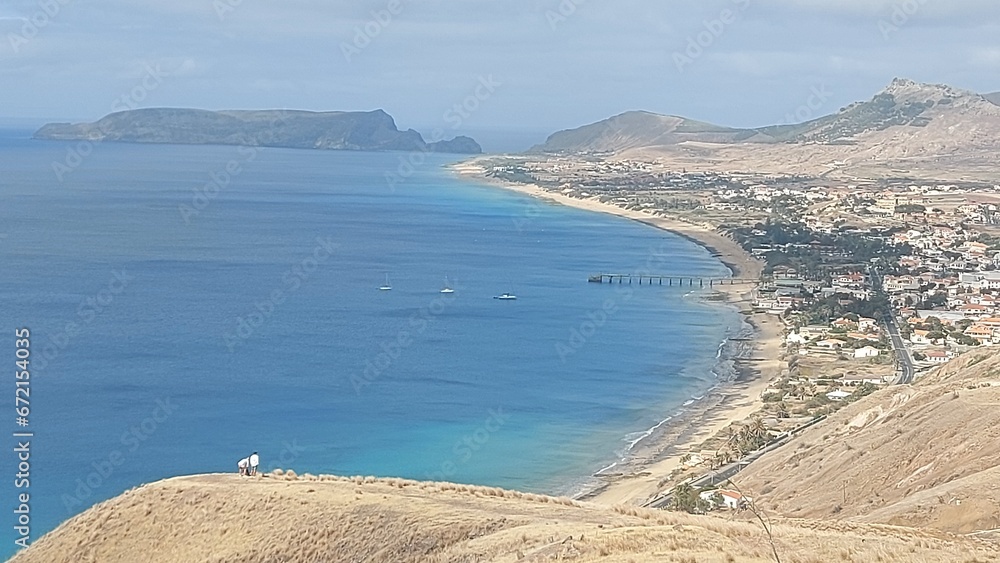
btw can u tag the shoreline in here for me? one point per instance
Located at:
(637, 478)
(725, 249)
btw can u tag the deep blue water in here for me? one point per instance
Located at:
(337, 377)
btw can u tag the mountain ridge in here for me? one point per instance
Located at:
(903, 103)
(333, 130)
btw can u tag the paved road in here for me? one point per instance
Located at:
(903, 358)
(726, 472)
(907, 370)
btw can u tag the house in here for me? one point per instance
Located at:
(992, 322)
(794, 338)
(901, 284)
(784, 273)
(830, 344)
(938, 356)
(813, 331)
(920, 337)
(867, 325)
(867, 352)
(729, 499)
(844, 324)
(837, 395)
(983, 334)
(854, 280)
(971, 310)
(974, 248)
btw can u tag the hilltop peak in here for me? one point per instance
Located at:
(906, 89)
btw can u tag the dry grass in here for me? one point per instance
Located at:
(922, 456)
(278, 517)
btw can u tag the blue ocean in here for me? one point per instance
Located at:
(188, 305)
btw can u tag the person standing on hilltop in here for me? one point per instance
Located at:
(254, 462)
(243, 465)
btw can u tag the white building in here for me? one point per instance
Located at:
(867, 352)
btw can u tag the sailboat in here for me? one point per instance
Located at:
(447, 287)
(386, 286)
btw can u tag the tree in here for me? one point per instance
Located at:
(936, 335)
(687, 499)
(862, 391)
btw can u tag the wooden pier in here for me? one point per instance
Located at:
(668, 280)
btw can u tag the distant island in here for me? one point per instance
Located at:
(333, 130)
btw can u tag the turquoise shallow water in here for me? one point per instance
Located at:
(256, 323)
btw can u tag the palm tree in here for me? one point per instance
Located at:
(686, 498)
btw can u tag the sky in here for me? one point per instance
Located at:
(510, 70)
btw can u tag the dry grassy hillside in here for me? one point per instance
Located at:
(223, 518)
(926, 455)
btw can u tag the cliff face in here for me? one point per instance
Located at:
(364, 131)
(228, 519)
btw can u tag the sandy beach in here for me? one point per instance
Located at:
(638, 479)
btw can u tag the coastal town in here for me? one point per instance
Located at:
(871, 283)
(837, 255)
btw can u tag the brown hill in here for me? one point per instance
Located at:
(224, 518)
(926, 455)
(637, 129)
(907, 129)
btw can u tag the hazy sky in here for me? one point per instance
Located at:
(536, 65)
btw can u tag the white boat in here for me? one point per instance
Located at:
(386, 286)
(447, 287)
(505, 297)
